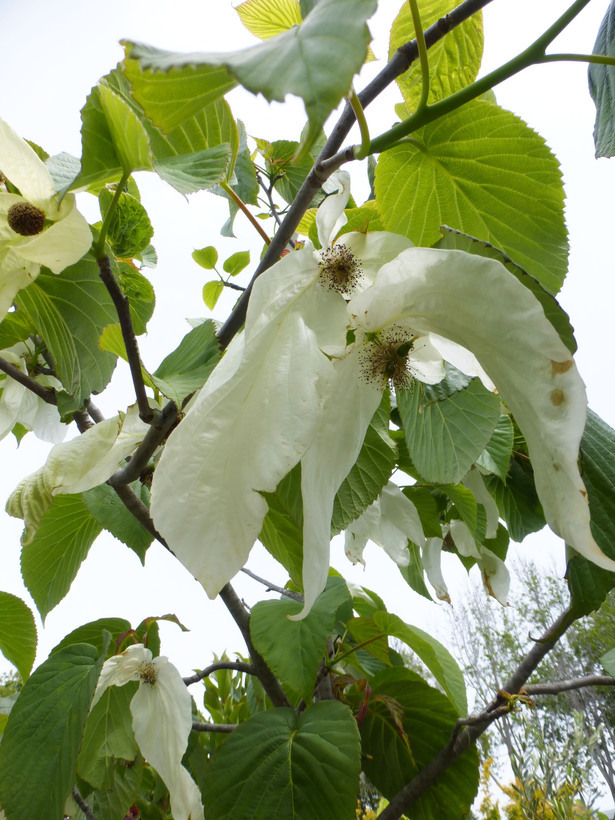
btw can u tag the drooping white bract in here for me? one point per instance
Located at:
(477, 304)
(20, 405)
(262, 407)
(76, 466)
(161, 719)
(389, 522)
(63, 235)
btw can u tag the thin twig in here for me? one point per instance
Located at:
(147, 414)
(134, 505)
(224, 728)
(461, 740)
(77, 797)
(296, 596)
(44, 393)
(399, 63)
(236, 666)
(270, 683)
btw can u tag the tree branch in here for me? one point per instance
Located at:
(296, 596)
(270, 683)
(556, 687)
(225, 728)
(44, 393)
(78, 798)
(237, 666)
(153, 438)
(134, 505)
(399, 63)
(147, 414)
(468, 730)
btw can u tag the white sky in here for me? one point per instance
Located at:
(53, 53)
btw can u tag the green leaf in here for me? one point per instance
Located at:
(497, 454)
(293, 650)
(94, 634)
(514, 199)
(141, 297)
(454, 61)
(237, 262)
(517, 501)
(363, 219)
(105, 506)
(15, 327)
(291, 173)
(112, 340)
(428, 720)
(602, 86)
(282, 766)
(445, 438)
(169, 86)
(70, 311)
(366, 631)
(295, 62)
(413, 574)
(206, 257)
(608, 661)
(108, 735)
(50, 562)
(267, 18)
(588, 583)
(434, 655)
(130, 230)
(111, 803)
(126, 129)
(188, 367)
(64, 170)
(17, 633)
(456, 240)
(282, 532)
(427, 508)
(372, 470)
(38, 754)
(212, 292)
(200, 170)
(100, 162)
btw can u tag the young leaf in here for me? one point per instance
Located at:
(237, 262)
(38, 754)
(17, 633)
(130, 230)
(198, 171)
(282, 766)
(206, 257)
(268, 18)
(515, 201)
(212, 292)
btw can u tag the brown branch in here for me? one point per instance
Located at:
(225, 728)
(399, 63)
(236, 666)
(147, 414)
(270, 683)
(468, 730)
(78, 798)
(556, 687)
(44, 393)
(134, 505)
(153, 439)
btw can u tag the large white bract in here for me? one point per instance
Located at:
(292, 388)
(63, 238)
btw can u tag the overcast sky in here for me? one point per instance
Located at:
(53, 53)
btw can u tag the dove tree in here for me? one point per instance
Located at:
(398, 370)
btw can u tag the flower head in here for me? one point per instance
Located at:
(35, 229)
(161, 712)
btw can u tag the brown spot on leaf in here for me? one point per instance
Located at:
(561, 367)
(557, 397)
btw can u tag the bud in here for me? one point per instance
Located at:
(26, 219)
